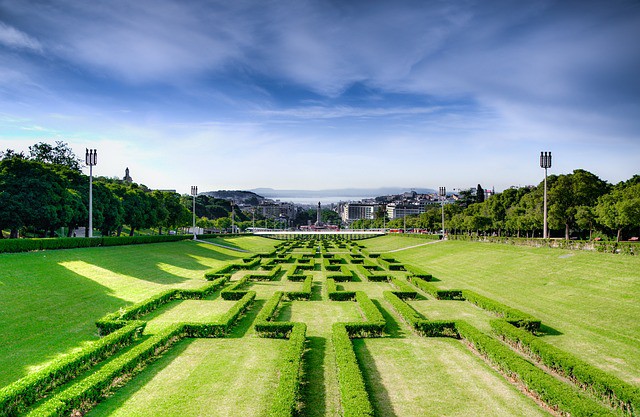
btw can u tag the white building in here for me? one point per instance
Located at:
(350, 212)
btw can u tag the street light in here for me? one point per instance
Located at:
(545, 162)
(194, 193)
(91, 159)
(442, 192)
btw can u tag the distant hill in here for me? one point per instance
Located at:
(237, 196)
(339, 192)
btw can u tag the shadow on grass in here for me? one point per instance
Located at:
(378, 393)
(316, 291)
(393, 328)
(243, 325)
(313, 391)
(285, 311)
(549, 331)
(122, 395)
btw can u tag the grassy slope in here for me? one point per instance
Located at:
(50, 300)
(250, 243)
(589, 298)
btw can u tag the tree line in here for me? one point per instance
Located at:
(580, 205)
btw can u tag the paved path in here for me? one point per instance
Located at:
(223, 246)
(415, 246)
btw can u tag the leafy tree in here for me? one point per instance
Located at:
(620, 209)
(479, 194)
(59, 154)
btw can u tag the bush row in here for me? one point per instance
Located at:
(93, 388)
(431, 289)
(374, 323)
(512, 315)
(420, 324)
(287, 393)
(391, 264)
(229, 269)
(27, 245)
(405, 291)
(270, 276)
(418, 272)
(335, 295)
(116, 320)
(221, 327)
(16, 397)
(557, 394)
(353, 393)
(233, 292)
(611, 389)
(305, 293)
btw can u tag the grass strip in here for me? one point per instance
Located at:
(609, 388)
(555, 393)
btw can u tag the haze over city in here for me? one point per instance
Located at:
(318, 95)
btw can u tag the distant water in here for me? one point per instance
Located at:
(322, 200)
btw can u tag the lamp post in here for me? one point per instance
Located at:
(194, 193)
(233, 218)
(545, 162)
(91, 159)
(442, 192)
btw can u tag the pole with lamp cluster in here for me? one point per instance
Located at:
(545, 162)
(194, 193)
(91, 159)
(442, 192)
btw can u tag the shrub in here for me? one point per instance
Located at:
(406, 291)
(335, 295)
(608, 387)
(547, 387)
(418, 322)
(288, 391)
(512, 315)
(15, 397)
(232, 292)
(431, 289)
(355, 400)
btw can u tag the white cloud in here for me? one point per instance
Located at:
(14, 38)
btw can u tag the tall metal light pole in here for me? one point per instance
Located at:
(442, 192)
(91, 159)
(545, 162)
(233, 218)
(194, 193)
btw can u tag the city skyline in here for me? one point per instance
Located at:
(320, 95)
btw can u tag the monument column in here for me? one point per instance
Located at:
(319, 217)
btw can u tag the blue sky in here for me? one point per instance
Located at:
(326, 94)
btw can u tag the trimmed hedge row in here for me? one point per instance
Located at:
(405, 291)
(419, 323)
(232, 292)
(116, 320)
(247, 263)
(27, 245)
(512, 315)
(557, 394)
(95, 386)
(353, 393)
(391, 264)
(270, 276)
(335, 295)
(609, 388)
(370, 276)
(288, 390)
(418, 272)
(223, 326)
(305, 293)
(374, 324)
(16, 397)
(434, 291)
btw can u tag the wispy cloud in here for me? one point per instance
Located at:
(14, 38)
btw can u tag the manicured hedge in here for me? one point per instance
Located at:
(416, 320)
(16, 397)
(551, 390)
(27, 245)
(232, 292)
(434, 291)
(374, 324)
(335, 295)
(405, 291)
(270, 276)
(95, 386)
(390, 264)
(353, 393)
(606, 386)
(305, 293)
(418, 272)
(287, 393)
(221, 327)
(512, 315)
(116, 320)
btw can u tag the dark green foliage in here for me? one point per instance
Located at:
(611, 389)
(355, 400)
(431, 289)
(335, 295)
(15, 398)
(548, 388)
(405, 291)
(512, 315)
(417, 321)
(288, 391)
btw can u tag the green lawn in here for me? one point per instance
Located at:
(590, 300)
(50, 300)
(202, 377)
(414, 377)
(249, 243)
